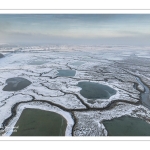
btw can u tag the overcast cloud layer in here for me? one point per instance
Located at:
(93, 29)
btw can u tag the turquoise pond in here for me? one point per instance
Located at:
(127, 126)
(66, 73)
(78, 63)
(94, 91)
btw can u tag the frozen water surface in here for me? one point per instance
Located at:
(15, 84)
(36, 62)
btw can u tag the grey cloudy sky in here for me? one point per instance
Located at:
(93, 29)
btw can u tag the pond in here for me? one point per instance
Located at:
(36, 122)
(127, 126)
(1, 55)
(78, 63)
(36, 62)
(66, 73)
(94, 91)
(16, 83)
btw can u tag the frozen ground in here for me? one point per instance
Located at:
(114, 66)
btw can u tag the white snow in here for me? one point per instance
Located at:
(5, 109)
(99, 63)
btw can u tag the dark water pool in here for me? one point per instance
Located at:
(127, 126)
(66, 73)
(16, 83)
(94, 91)
(1, 55)
(36, 122)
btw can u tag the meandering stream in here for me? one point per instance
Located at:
(145, 96)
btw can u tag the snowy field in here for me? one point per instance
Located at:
(115, 66)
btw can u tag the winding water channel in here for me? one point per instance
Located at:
(145, 96)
